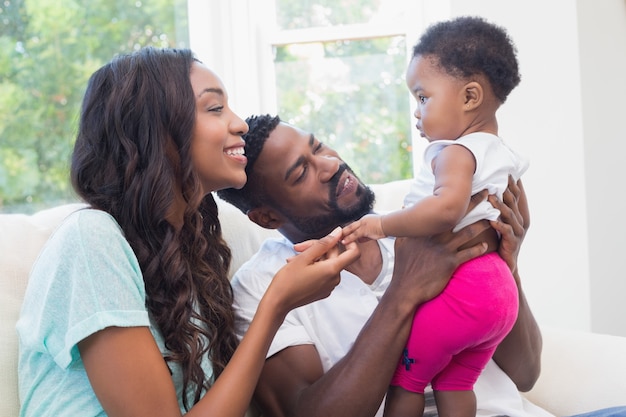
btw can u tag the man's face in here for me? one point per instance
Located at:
(307, 182)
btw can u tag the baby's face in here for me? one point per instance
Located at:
(441, 100)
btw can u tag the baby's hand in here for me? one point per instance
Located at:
(368, 227)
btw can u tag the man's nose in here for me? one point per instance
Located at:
(328, 167)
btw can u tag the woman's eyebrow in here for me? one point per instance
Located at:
(211, 90)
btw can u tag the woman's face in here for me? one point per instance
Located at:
(216, 144)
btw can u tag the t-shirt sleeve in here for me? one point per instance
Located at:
(86, 278)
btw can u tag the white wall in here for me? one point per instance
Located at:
(223, 35)
(567, 116)
(602, 41)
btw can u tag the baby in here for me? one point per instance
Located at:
(461, 72)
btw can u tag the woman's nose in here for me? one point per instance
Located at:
(238, 126)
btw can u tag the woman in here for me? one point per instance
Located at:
(128, 308)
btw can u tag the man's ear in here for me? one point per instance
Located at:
(265, 217)
(474, 95)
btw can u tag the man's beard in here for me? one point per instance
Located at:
(318, 226)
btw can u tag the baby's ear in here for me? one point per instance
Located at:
(265, 217)
(474, 95)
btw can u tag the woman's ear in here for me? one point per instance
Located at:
(265, 217)
(474, 95)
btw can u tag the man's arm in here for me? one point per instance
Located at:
(293, 383)
(519, 354)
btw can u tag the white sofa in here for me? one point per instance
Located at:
(581, 371)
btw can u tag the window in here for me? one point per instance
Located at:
(339, 72)
(333, 67)
(48, 51)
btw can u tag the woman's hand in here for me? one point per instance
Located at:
(314, 273)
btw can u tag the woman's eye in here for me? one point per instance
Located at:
(217, 109)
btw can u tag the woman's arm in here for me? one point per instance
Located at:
(130, 377)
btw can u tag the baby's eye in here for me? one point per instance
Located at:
(421, 99)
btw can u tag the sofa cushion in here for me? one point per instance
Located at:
(242, 236)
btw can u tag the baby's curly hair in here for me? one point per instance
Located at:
(467, 46)
(252, 194)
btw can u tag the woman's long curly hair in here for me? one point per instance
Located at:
(131, 159)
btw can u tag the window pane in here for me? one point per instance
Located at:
(301, 14)
(48, 50)
(352, 96)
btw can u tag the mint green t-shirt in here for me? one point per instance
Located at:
(85, 279)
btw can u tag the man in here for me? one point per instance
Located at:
(336, 356)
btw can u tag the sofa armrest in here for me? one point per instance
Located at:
(581, 372)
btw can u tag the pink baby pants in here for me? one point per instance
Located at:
(455, 334)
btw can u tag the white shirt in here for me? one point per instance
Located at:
(495, 161)
(332, 324)
(347, 308)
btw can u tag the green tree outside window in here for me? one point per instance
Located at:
(48, 50)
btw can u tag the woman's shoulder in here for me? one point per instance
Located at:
(87, 245)
(89, 232)
(90, 215)
(88, 222)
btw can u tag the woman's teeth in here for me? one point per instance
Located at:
(235, 151)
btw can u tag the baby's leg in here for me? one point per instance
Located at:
(456, 403)
(463, 370)
(453, 386)
(403, 403)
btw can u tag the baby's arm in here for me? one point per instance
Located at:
(453, 168)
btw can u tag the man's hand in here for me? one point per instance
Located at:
(427, 263)
(513, 222)
(519, 354)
